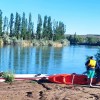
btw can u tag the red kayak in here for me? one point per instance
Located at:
(69, 79)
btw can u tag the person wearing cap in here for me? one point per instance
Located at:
(91, 65)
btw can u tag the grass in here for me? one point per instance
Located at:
(8, 76)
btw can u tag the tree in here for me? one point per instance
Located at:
(0, 22)
(17, 25)
(91, 40)
(49, 28)
(30, 26)
(23, 26)
(44, 33)
(59, 30)
(32, 35)
(75, 38)
(11, 24)
(70, 38)
(5, 24)
(79, 39)
(39, 27)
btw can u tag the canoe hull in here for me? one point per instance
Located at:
(69, 79)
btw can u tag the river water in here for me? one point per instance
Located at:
(45, 60)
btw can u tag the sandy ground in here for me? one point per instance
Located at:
(44, 90)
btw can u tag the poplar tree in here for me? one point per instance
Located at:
(23, 26)
(49, 33)
(55, 26)
(32, 35)
(59, 29)
(39, 27)
(44, 33)
(11, 24)
(30, 24)
(17, 25)
(5, 24)
(26, 36)
(30, 27)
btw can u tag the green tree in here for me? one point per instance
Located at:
(16, 24)
(17, 27)
(23, 26)
(39, 27)
(32, 35)
(55, 25)
(30, 26)
(5, 24)
(49, 28)
(79, 39)
(59, 29)
(91, 40)
(75, 39)
(44, 32)
(70, 38)
(26, 29)
(11, 24)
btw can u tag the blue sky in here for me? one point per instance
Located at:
(80, 16)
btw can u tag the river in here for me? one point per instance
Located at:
(45, 60)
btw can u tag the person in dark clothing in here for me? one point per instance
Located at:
(97, 71)
(90, 65)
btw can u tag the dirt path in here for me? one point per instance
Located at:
(32, 90)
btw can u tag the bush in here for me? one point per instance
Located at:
(9, 77)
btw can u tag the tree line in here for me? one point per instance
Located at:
(84, 39)
(21, 27)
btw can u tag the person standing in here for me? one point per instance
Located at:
(97, 71)
(90, 64)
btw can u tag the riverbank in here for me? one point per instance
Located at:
(6, 40)
(43, 90)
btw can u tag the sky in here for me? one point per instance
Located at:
(80, 16)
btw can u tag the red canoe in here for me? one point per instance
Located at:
(69, 79)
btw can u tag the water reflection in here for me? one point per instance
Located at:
(48, 60)
(45, 59)
(42, 59)
(58, 55)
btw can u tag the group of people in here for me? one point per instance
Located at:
(93, 70)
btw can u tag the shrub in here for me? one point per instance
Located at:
(9, 77)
